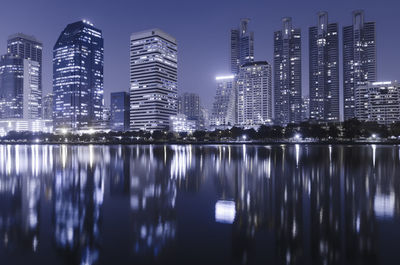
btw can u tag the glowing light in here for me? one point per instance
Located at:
(225, 212)
(224, 77)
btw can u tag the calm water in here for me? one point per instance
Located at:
(176, 204)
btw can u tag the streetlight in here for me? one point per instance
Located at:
(297, 136)
(244, 137)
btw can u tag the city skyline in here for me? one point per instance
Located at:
(193, 64)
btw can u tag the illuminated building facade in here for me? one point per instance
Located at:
(378, 102)
(20, 97)
(324, 70)
(180, 123)
(242, 46)
(29, 48)
(119, 111)
(359, 59)
(78, 59)
(223, 113)
(254, 94)
(287, 73)
(154, 80)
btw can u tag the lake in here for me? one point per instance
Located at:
(199, 204)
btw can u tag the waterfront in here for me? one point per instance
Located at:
(199, 204)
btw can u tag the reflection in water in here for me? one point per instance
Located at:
(286, 204)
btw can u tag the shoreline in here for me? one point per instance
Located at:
(393, 142)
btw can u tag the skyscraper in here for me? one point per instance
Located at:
(223, 113)
(78, 59)
(154, 80)
(359, 59)
(119, 111)
(287, 74)
(242, 46)
(48, 107)
(28, 47)
(254, 94)
(324, 70)
(19, 88)
(189, 104)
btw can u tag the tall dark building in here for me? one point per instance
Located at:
(359, 59)
(287, 74)
(324, 70)
(189, 105)
(119, 111)
(28, 47)
(242, 46)
(78, 59)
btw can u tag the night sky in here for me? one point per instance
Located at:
(201, 28)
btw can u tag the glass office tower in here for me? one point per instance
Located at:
(78, 59)
(119, 110)
(242, 46)
(287, 74)
(359, 59)
(324, 70)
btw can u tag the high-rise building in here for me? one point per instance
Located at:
(378, 102)
(19, 88)
(28, 47)
(189, 105)
(223, 113)
(287, 74)
(78, 59)
(254, 94)
(305, 108)
(48, 107)
(154, 80)
(120, 111)
(359, 59)
(242, 46)
(324, 70)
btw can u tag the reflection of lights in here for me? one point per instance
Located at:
(373, 153)
(297, 154)
(384, 205)
(225, 212)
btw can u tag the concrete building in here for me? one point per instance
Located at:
(254, 94)
(154, 80)
(179, 123)
(378, 102)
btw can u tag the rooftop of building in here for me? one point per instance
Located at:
(152, 32)
(24, 36)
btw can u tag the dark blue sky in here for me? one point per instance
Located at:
(201, 28)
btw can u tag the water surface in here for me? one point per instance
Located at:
(172, 204)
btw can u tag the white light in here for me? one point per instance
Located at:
(224, 77)
(374, 136)
(225, 212)
(297, 136)
(244, 137)
(381, 83)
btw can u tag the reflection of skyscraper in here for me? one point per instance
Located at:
(242, 46)
(359, 59)
(324, 70)
(78, 199)
(287, 73)
(78, 58)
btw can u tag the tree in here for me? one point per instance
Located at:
(352, 128)
(333, 131)
(199, 135)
